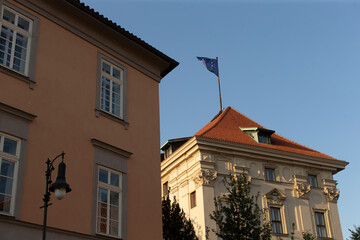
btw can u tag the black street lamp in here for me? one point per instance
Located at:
(59, 187)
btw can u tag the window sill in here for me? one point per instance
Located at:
(99, 112)
(18, 76)
(105, 236)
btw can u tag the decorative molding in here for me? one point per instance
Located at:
(302, 189)
(16, 112)
(204, 177)
(332, 193)
(110, 148)
(275, 197)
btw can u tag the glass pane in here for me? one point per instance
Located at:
(22, 23)
(116, 88)
(19, 65)
(10, 146)
(116, 73)
(9, 16)
(102, 195)
(116, 110)
(101, 225)
(102, 210)
(114, 198)
(114, 228)
(6, 185)
(116, 98)
(114, 213)
(103, 176)
(7, 168)
(106, 68)
(21, 40)
(114, 179)
(5, 203)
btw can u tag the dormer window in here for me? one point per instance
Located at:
(260, 135)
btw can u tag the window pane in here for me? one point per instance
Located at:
(7, 168)
(116, 98)
(21, 40)
(103, 195)
(10, 146)
(114, 198)
(5, 203)
(114, 179)
(114, 213)
(116, 88)
(103, 176)
(101, 225)
(22, 23)
(116, 73)
(114, 228)
(106, 68)
(116, 110)
(9, 16)
(269, 174)
(102, 210)
(6, 185)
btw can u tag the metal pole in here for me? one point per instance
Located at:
(217, 61)
(46, 196)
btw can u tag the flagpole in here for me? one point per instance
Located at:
(217, 60)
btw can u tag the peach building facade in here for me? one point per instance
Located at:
(73, 81)
(295, 183)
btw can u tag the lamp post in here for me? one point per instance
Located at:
(59, 187)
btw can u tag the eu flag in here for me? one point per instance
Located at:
(210, 64)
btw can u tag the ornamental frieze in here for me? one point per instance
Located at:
(204, 177)
(332, 193)
(302, 189)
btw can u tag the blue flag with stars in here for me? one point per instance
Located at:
(210, 64)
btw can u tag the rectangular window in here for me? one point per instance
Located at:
(264, 139)
(15, 40)
(275, 218)
(111, 99)
(165, 189)
(9, 157)
(193, 199)
(320, 224)
(108, 219)
(312, 180)
(269, 174)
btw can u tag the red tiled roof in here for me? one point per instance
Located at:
(227, 126)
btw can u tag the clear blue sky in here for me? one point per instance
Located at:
(293, 66)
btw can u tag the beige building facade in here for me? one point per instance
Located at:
(71, 80)
(296, 184)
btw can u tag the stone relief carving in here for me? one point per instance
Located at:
(302, 189)
(275, 197)
(332, 193)
(205, 177)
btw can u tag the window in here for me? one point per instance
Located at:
(193, 199)
(320, 224)
(264, 139)
(111, 98)
(9, 157)
(165, 189)
(270, 174)
(312, 180)
(275, 218)
(15, 40)
(109, 202)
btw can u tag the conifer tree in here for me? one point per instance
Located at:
(237, 214)
(175, 224)
(355, 234)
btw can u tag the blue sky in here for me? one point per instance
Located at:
(292, 66)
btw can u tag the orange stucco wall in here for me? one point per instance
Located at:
(64, 100)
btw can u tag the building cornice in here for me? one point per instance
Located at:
(17, 112)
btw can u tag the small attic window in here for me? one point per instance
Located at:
(260, 135)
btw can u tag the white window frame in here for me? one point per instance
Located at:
(16, 29)
(11, 158)
(113, 80)
(281, 219)
(114, 189)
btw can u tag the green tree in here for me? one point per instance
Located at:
(355, 234)
(237, 214)
(308, 235)
(175, 224)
